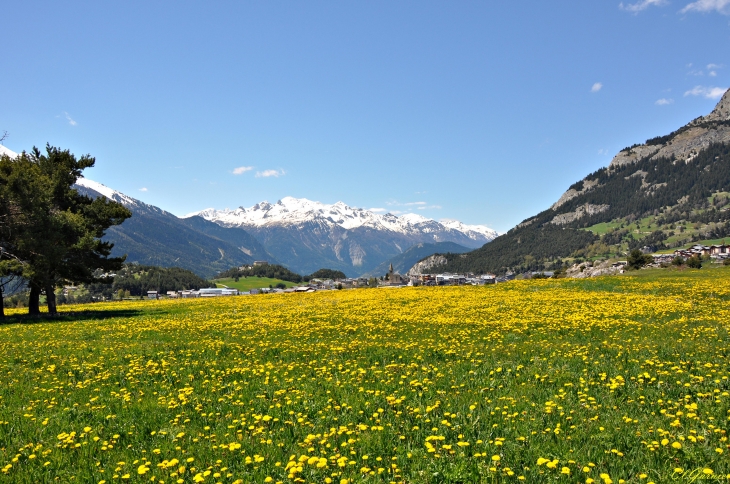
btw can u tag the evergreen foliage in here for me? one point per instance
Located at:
(694, 262)
(638, 259)
(327, 274)
(272, 271)
(138, 279)
(528, 248)
(666, 188)
(54, 232)
(275, 271)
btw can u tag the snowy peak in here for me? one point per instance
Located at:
(93, 188)
(5, 151)
(109, 193)
(470, 229)
(290, 211)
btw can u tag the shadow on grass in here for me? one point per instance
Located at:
(86, 315)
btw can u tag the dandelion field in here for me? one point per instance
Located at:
(619, 379)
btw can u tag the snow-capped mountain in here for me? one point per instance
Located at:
(156, 237)
(111, 194)
(292, 211)
(6, 151)
(306, 235)
(473, 231)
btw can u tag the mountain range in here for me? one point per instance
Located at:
(300, 234)
(305, 235)
(153, 236)
(670, 191)
(665, 192)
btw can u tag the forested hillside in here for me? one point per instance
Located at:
(272, 271)
(670, 191)
(136, 280)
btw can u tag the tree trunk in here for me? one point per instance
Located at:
(51, 300)
(34, 301)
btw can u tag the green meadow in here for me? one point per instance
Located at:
(607, 380)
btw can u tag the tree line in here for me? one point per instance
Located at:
(137, 280)
(50, 234)
(276, 271)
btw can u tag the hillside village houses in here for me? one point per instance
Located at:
(717, 252)
(394, 279)
(720, 251)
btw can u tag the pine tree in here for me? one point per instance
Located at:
(59, 236)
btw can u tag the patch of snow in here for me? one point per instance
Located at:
(112, 194)
(5, 151)
(97, 187)
(491, 234)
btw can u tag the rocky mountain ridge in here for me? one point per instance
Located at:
(294, 211)
(670, 190)
(306, 235)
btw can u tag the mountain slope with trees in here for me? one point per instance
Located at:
(672, 190)
(305, 235)
(156, 237)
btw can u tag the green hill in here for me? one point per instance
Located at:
(253, 282)
(666, 193)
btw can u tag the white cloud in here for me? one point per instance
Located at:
(664, 101)
(143, 189)
(641, 5)
(378, 210)
(707, 92)
(270, 173)
(410, 204)
(713, 69)
(596, 87)
(242, 169)
(70, 120)
(427, 207)
(720, 6)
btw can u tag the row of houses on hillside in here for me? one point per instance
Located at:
(720, 251)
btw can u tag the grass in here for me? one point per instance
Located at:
(248, 283)
(604, 227)
(599, 380)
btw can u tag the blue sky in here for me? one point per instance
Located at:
(479, 111)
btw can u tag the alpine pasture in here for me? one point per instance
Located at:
(621, 379)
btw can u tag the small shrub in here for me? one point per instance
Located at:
(694, 262)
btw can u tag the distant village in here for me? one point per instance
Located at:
(393, 279)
